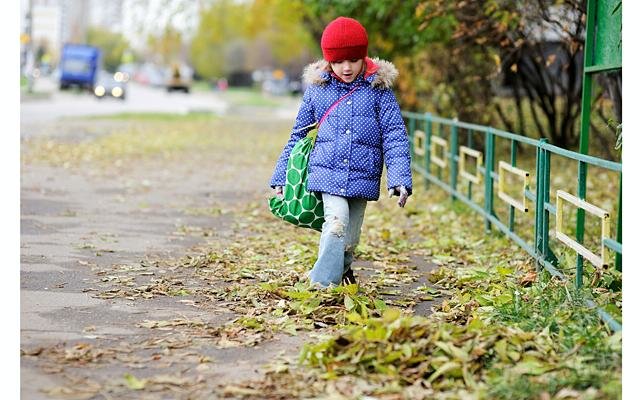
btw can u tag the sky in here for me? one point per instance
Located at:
(143, 17)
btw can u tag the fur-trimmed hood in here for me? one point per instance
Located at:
(317, 73)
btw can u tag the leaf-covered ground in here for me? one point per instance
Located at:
(442, 310)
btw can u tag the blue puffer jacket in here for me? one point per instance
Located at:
(354, 139)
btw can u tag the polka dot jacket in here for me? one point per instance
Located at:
(364, 129)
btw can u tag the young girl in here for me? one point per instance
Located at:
(364, 128)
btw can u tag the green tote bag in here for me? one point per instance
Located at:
(299, 206)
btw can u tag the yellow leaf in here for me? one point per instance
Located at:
(444, 368)
(134, 383)
(391, 314)
(386, 234)
(497, 60)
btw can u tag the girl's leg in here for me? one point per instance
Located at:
(357, 208)
(329, 266)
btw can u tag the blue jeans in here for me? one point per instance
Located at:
(340, 236)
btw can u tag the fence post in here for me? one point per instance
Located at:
(453, 163)
(582, 191)
(412, 129)
(490, 142)
(427, 147)
(546, 184)
(619, 228)
(512, 216)
(469, 183)
(540, 170)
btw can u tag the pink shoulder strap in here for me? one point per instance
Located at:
(334, 105)
(317, 124)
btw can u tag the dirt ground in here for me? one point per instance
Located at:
(108, 308)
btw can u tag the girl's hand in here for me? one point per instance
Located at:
(278, 191)
(402, 193)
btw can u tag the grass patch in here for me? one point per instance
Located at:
(156, 117)
(143, 136)
(201, 86)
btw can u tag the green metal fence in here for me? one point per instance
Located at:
(480, 172)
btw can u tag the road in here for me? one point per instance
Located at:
(52, 104)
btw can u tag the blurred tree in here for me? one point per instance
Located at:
(151, 18)
(459, 58)
(537, 45)
(279, 24)
(538, 51)
(243, 36)
(166, 46)
(112, 44)
(431, 77)
(220, 24)
(393, 25)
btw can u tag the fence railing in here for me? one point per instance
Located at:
(468, 173)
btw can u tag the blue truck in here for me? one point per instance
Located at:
(79, 66)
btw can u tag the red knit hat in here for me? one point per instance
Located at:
(344, 39)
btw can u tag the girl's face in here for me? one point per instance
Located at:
(347, 70)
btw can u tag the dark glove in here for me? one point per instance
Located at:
(402, 193)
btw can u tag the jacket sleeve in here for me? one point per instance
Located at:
(395, 144)
(306, 117)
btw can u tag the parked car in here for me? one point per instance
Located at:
(295, 87)
(150, 74)
(128, 70)
(275, 87)
(111, 85)
(276, 82)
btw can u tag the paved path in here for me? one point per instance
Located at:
(77, 223)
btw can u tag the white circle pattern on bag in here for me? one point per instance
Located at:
(299, 206)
